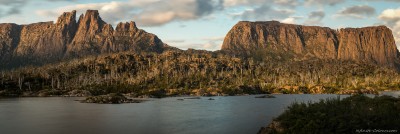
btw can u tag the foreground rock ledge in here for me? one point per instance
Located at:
(339, 115)
(112, 98)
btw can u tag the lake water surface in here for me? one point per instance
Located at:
(224, 115)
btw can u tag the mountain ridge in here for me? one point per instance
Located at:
(47, 42)
(67, 38)
(282, 58)
(369, 44)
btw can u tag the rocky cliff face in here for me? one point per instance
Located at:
(370, 44)
(46, 42)
(373, 44)
(8, 42)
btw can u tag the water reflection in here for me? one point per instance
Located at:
(238, 114)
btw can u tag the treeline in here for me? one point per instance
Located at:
(195, 72)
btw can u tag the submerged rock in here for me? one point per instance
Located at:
(193, 98)
(78, 93)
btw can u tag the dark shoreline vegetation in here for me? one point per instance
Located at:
(353, 114)
(113, 98)
(197, 73)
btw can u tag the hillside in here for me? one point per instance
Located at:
(372, 45)
(194, 72)
(89, 57)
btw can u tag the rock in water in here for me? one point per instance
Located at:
(265, 96)
(112, 98)
(193, 98)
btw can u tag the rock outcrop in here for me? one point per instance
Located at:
(373, 44)
(47, 42)
(112, 98)
(8, 42)
(370, 44)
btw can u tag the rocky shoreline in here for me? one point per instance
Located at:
(248, 90)
(273, 127)
(118, 98)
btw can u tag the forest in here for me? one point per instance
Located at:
(354, 114)
(197, 72)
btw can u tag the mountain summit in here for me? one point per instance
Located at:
(47, 42)
(369, 44)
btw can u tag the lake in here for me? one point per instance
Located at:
(63, 115)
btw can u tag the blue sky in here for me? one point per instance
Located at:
(202, 24)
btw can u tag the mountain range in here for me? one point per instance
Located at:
(68, 38)
(48, 42)
(374, 45)
(89, 57)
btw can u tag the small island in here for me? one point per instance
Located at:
(265, 96)
(112, 98)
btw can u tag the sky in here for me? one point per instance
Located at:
(202, 24)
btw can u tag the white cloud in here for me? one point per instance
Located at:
(315, 18)
(213, 43)
(208, 43)
(266, 12)
(210, 46)
(10, 2)
(323, 2)
(162, 12)
(11, 7)
(382, 0)
(391, 18)
(145, 12)
(174, 41)
(358, 12)
(289, 20)
(216, 38)
(111, 12)
(287, 2)
(231, 3)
